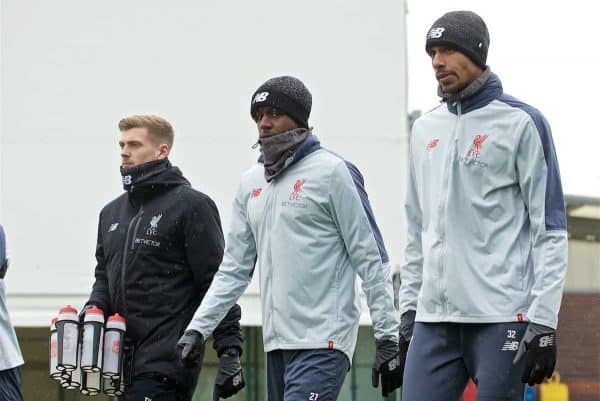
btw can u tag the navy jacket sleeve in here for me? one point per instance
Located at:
(541, 188)
(204, 252)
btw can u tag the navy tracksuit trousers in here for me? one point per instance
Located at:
(10, 385)
(306, 374)
(443, 356)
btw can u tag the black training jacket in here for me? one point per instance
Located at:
(159, 246)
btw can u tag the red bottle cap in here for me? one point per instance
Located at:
(116, 317)
(67, 309)
(94, 309)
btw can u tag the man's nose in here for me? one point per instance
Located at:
(265, 122)
(437, 60)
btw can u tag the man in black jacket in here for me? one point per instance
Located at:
(159, 246)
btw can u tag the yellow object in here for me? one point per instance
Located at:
(554, 390)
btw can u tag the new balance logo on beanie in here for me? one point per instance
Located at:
(464, 31)
(287, 94)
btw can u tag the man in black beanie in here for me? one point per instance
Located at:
(303, 216)
(486, 253)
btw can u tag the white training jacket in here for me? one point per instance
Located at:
(311, 231)
(487, 238)
(10, 353)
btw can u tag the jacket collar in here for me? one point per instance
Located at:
(489, 91)
(150, 178)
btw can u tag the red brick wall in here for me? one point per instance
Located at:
(578, 340)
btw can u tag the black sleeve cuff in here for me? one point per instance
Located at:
(228, 333)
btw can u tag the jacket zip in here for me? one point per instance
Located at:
(272, 268)
(451, 152)
(136, 219)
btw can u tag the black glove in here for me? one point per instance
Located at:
(388, 365)
(230, 378)
(407, 323)
(189, 347)
(538, 346)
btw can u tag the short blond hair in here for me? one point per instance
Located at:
(159, 129)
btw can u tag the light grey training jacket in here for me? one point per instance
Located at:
(10, 353)
(311, 231)
(487, 239)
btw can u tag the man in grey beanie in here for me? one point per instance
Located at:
(302, 215)
(486, 252)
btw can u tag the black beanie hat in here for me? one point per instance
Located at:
(288, 94)
(463, 30)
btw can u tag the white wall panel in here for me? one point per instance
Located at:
(71, 69)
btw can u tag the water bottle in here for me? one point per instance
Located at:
(113, 346)
(90, 383)
(114, 386)
(54, 372)
(67, 336)
(91, 347)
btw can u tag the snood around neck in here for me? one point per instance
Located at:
(278, 150)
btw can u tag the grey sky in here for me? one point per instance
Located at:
(544, 55)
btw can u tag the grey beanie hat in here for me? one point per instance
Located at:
(287, 94)
(464, 31)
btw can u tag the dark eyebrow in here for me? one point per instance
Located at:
(131, 142)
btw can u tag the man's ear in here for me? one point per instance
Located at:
(163, 150)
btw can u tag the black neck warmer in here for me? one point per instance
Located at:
(151, 177)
